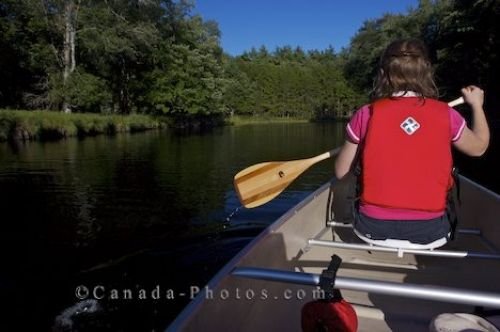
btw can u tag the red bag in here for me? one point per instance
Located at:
(333, 316)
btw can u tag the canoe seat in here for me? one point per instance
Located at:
(402, 244)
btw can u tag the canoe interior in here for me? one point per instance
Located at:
(240, 304)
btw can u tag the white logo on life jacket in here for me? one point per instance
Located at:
(410, 125)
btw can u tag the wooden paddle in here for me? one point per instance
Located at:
(260, 183)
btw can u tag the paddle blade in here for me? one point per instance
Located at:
(260, 183)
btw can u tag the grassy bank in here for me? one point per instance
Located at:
(44, 125)
(238, 120)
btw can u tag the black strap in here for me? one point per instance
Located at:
(327, 279)
(453, 203)
(456, 178)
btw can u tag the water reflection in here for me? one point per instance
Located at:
(138, 209)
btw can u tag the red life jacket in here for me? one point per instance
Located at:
(406, 158)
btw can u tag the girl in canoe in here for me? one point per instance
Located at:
(404, 140)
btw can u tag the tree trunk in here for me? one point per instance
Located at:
(124, 95)
(69, 61)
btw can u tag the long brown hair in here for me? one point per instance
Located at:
(405, 66)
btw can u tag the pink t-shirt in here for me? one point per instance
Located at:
(356, 130)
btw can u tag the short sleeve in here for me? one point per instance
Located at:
(356, 128)
(457, 124)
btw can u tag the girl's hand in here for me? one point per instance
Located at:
(473, 95)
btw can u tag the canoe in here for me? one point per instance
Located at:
(266, 285)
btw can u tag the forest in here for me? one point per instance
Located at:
(155, 57)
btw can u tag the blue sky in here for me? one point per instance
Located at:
(311, 24)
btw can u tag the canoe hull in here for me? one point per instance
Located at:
(232, 303)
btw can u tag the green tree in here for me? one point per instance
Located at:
(290, 82)
(188, 74)
(117, 42)
(467, 44)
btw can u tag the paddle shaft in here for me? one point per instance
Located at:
(456, 102)
(324, 156)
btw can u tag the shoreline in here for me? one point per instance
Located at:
(19, 125)
(242, 120)
(23, 125)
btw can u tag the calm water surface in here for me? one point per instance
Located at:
(141, 212)
(135, 212)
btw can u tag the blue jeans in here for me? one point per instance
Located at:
(416, 231)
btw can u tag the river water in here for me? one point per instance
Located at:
(149, 212)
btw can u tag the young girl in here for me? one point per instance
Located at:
(405, 137)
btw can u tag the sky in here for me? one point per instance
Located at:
(311, 24)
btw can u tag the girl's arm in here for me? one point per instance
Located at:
(344, 160)
(474, 142)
